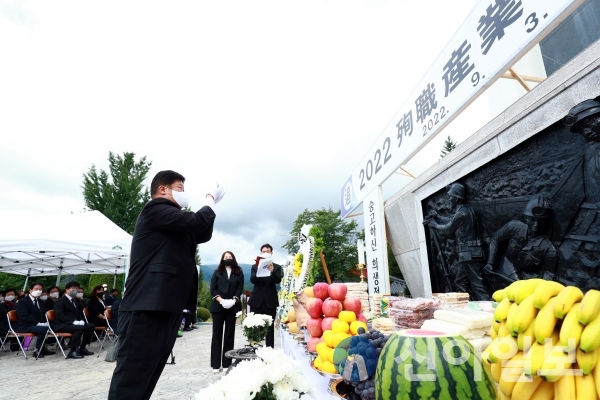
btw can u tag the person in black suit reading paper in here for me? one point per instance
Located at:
(68, 317)
(162, 263)
(264, 294)
(226, 287)
(31, 316)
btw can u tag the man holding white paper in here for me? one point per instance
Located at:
(265, 275)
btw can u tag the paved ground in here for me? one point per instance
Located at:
(53, 377)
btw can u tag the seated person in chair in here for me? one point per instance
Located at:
(32, 318)
(68, 317)
(53, 295)
(81, 297)
(9, 304)
(96, 307)
(110, 298)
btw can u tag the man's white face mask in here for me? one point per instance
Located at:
(182, 198)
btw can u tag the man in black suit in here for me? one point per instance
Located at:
(162, 262)
(68, 318)
(31, 316)
(111, 297)
(264, 293)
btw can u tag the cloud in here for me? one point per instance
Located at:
(15, 11)
(278, 101)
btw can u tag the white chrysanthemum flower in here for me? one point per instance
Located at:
(269, 354)
(238, 314)
(212, 392)
(299, 383)
(284, 391)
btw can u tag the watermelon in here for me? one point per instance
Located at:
(419, 364)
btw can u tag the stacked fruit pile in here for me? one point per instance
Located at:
(334, 317)
(546, 341)
(368, 345)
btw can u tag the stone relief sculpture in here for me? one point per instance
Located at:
(463, 227)
(523, 250)
(533, 212)
(580, 246)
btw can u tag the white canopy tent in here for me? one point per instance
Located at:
(85, 243)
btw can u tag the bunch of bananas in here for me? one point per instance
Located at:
(546, 342)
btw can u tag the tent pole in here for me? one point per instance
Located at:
(26, 279)
(115, 280)
(59, 272)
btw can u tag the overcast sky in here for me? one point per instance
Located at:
(278, 100)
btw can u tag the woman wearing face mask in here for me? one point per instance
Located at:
(96, 307)
(226, 287)
(53, 295)
(9, 304)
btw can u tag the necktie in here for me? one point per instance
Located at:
(73, 301)
(37, 305)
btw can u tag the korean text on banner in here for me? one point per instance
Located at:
(493, 37)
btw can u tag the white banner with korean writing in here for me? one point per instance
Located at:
(493, 37)
(376, 244)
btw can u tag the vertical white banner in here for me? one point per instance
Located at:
(376, 243)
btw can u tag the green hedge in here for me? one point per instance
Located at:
(203, 313)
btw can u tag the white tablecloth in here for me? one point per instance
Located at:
(296, 351)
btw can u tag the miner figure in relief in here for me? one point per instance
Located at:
(523, 250)
(579, 251)
(463, 226)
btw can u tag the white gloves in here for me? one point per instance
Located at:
(42, 324)
(185, 310)
(77, 322)
(226, 303)
(217, 191)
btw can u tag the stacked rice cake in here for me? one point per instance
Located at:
(383, 325)
(470, 324)
(453, 300)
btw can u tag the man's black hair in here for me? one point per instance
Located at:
(36, 283)
(9, 290)
(164, 178)
(71, 284)
(112, 291)
(267, 245)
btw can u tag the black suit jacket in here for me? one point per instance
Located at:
(4, 309)
(109, 300)
(65, 313)
(95, 308)
(162, 258)
(264, 292)
(28, 313)
(227, 288)
(49, 304)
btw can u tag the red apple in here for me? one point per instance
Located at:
(326, 324)
(337, 291)
(361, 317)
(332, 308)
(320, 290)
(311, 345)
(314, 308)
(352, 304)
(313, 326)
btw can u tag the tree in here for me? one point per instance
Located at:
(449, 145)
(120, 195)
(339, 240)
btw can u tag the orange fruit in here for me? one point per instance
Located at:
(357, 324)
(328, 366)
(340, 326)
(347, 316)
(338, 337)
(327, 337)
